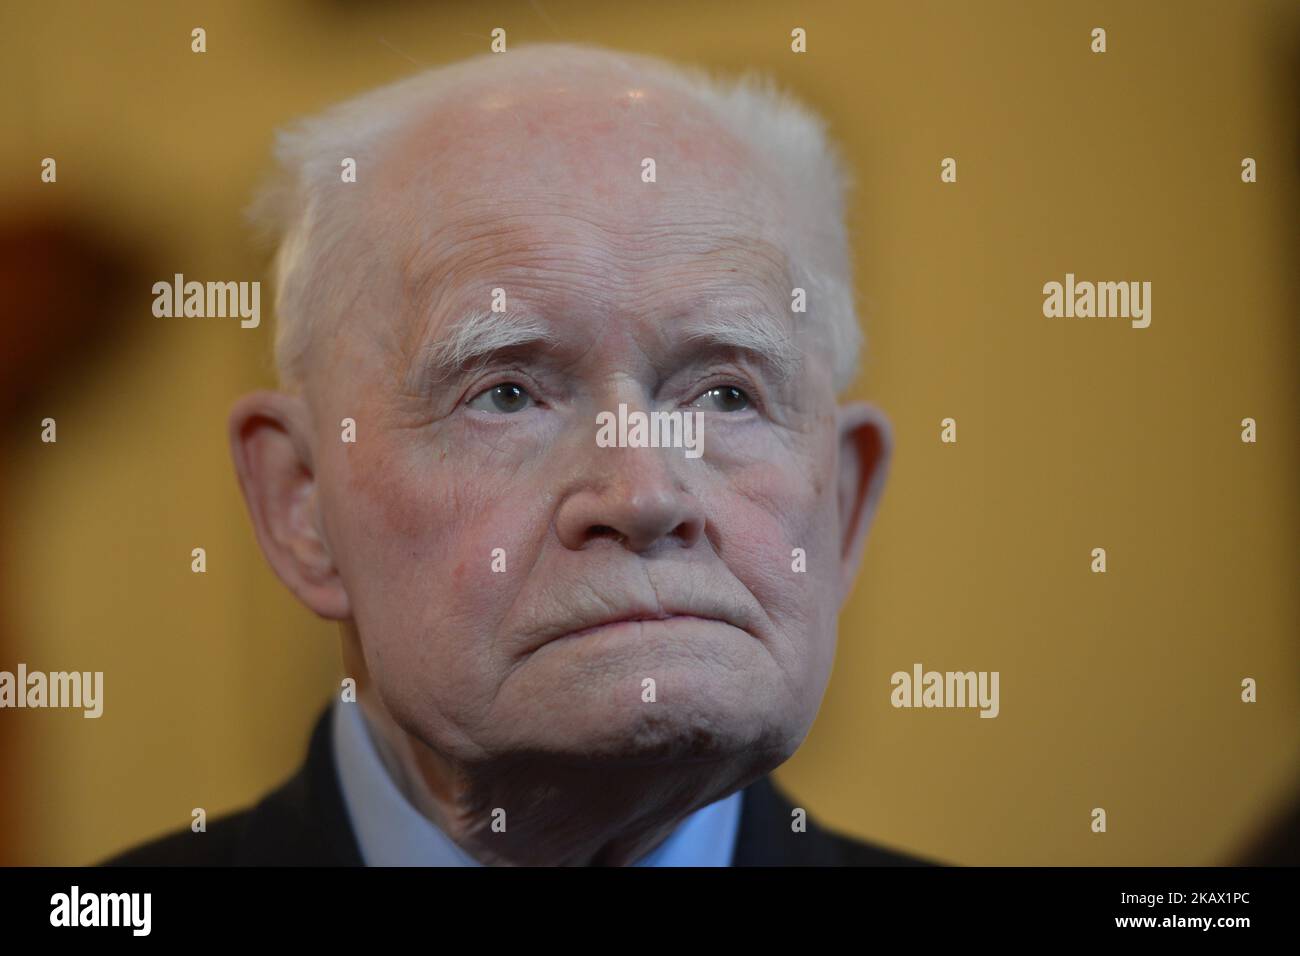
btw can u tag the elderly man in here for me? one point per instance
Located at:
(566, 650)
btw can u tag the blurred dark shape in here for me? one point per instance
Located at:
(1278, 844)
(63, 284)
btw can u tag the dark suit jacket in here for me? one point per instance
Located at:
(305, 823)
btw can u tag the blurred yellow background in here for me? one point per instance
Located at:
(1119, 690)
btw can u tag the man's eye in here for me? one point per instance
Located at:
(725, 398)
(506, 398)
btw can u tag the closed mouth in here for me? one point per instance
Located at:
(638, 619)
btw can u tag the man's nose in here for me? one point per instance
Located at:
(635, 497)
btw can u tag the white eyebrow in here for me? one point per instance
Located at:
(482, 333)
(758, 332)
(475, 337)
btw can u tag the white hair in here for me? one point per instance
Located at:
(307, 218)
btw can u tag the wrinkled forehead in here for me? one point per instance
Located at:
(590, 135)
(545, 189)
(638, 159)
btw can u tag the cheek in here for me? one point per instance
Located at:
(767, 510)
(429, 550)
(768, 513)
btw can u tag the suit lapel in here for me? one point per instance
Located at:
(767, 838)
(304, 822)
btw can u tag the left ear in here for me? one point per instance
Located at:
(866, 443)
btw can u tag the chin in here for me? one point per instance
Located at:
(717, 693)
(688, 661)
(695, 719)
